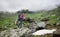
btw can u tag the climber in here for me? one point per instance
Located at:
(20, 19)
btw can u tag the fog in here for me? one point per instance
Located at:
(33, 5)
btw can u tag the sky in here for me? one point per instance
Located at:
(33, 5)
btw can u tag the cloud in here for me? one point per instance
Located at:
(33, 5)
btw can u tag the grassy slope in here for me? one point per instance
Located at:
(37, 16)
(8, 22)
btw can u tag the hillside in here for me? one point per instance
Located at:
(7, 20)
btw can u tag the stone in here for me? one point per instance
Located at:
(56, 33)
(58, 23)
(15, 32)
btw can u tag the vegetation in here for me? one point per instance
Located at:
(7, 20)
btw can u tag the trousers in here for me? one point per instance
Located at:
(20, 24)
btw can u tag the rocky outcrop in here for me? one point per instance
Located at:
(16, 33)
(23, 32)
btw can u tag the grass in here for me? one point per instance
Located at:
(37, 16)
(10, 21)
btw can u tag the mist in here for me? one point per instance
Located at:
(32, 5)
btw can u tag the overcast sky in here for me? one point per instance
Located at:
(33, 5)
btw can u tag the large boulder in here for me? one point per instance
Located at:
(41, 25)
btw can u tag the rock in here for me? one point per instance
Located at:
(33, 27)
(15, 32)
(41, 24)
(56, 33)
(58, 23)
(29, 20)
(58, 18)
(45, 19)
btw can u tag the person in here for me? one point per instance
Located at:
(20, 19)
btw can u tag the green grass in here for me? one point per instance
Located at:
(37, 16)
(8, 22)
